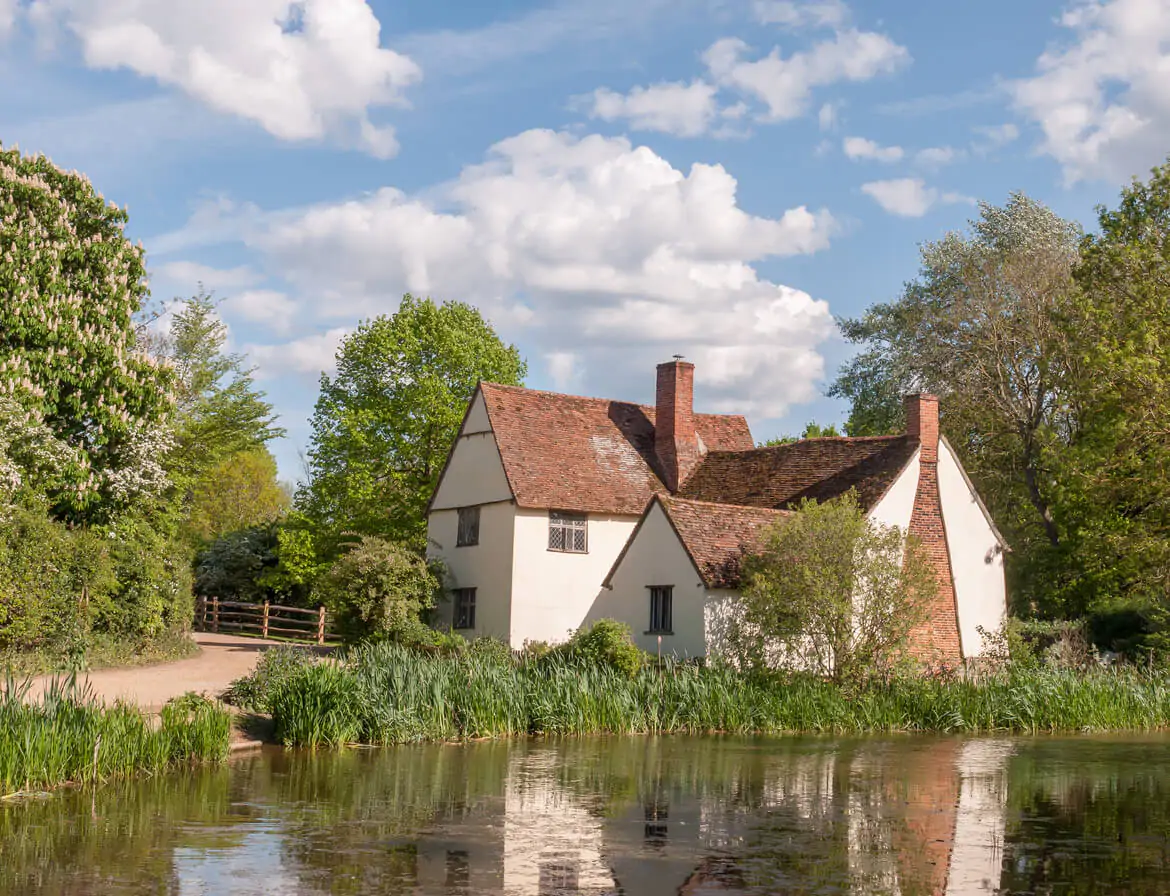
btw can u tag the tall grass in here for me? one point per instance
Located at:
(68, 737)
(385, 693)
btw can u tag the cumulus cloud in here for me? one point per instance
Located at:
(7, 16)
(310, 355)
(301, 69)
(936, 156)
(993, 137)
(785, 84)
(1102, 100)
(188, 275)
(859, 148)
(685, 110)
(908, 197)
(805, 14)
(274, 309)
(598, 255)
(827, 117)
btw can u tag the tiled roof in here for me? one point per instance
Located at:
(717, 536)
(811, 468)
(587, 454)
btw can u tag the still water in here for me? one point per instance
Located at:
(620, 815)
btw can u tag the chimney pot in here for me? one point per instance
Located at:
(922, 423)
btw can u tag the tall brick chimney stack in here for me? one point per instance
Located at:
(937, 639)
(922, 423)
(675, 440)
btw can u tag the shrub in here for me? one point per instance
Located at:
(153, 576)
(378, 587)
(606, 643)
(275, 668)
(233, 566)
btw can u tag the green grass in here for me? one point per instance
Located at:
(67, 737)
(385, 693)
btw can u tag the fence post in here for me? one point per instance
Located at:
(215, 615)
(320, 625)
(265, 623)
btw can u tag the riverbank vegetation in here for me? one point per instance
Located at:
(67, 737)
(388, 693)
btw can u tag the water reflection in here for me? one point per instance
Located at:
(620, 816)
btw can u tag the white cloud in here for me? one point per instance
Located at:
(827, 117)
(994, 137)
(309, 355)
(785, 85)
(936, 156)
(268, 307)
(685, 110)
(188, 275)
(8, 9)
(1102, 101)
(803, 14)
(563, 367)
(859, 148)
(908, 197)
(584, 246)
(301, 69)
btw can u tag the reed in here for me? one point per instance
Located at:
(68, 737)
(386, 693)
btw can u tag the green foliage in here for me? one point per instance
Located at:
(379, 587)
(68, 737)
(812, 431)
(234, 566)
(383, 425)
(298, 560)
(69, 351)
(385, 693)
(240, 492)
(606, 643)
(830, 591)
(275, 668)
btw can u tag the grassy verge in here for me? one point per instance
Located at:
(382, 694)
(103, 652)
(67, 737)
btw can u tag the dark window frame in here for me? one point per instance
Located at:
(463, 610)
(467, 533)
(568, 532)
(661, 610)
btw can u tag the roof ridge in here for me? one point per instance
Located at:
(677, 500)
(624, 401)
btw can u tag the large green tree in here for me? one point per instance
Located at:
(384, 423)
(71, 285)
(984, 326)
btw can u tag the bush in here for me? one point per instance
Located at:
(152, 594)
(607, 643)
(379, 587)
(233, 566)
(275, 668)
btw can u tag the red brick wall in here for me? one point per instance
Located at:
(937, 639)
(675, 440)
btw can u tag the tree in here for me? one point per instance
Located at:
(379, 587)
(219, 412)
(1119, 470)
(383, 425)
(240, 492)
(833, 591)
(233, 566)
(811, 431)
(72, 285)
(983, 327)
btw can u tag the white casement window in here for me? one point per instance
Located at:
(464, 615)
(661, 610)
(468, 527)
(568, 532)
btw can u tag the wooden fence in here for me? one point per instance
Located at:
(265, 620)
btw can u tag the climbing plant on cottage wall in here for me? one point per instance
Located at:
(71, 285)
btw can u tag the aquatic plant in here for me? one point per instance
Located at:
(68, 737)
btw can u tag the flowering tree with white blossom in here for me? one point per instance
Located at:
(71, 285)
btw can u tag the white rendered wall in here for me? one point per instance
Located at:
(474, 474)
(477, 418)
(553, 591)
(486, 566)
(657, 557)
(976, 557)
(897, 505)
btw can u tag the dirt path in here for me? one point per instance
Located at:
(222, 659)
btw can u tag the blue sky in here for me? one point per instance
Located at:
(611, 181)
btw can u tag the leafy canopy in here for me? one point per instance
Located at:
(383, 425)
(69, 351)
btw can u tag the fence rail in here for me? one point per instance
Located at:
(214, 615)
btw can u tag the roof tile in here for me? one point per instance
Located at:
(717, 536)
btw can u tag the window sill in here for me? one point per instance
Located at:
(561, 551)
(657, 632)
(473, 544)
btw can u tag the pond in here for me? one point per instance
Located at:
(637, 816)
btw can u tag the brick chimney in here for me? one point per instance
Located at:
(937, 639)
(675, 440)
(922, 423)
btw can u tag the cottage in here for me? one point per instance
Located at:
(554, 510)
